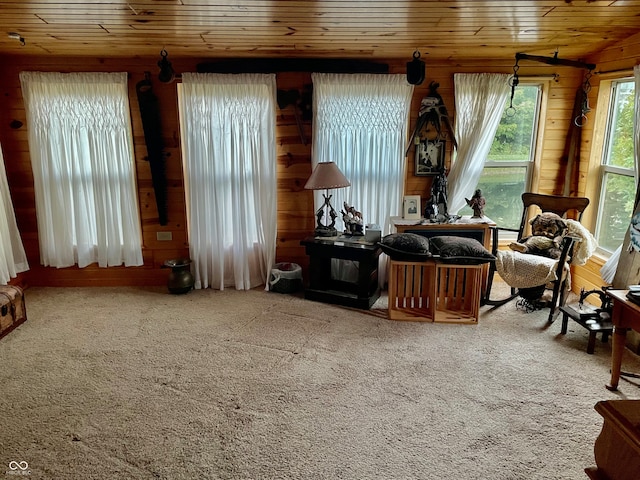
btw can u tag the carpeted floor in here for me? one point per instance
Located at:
(131, 383)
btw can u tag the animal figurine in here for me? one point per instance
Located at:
(352, 218)
(547, 232)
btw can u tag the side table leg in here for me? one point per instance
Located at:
(617, 348)
(565, 322)
(592, 343)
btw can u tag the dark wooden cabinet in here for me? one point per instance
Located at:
(361, 290)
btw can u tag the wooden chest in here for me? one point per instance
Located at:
(12, 308)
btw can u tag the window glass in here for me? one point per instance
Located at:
(506, 174)
(516, 133)
(502, 188)
(617, 195)
(620, 135)
(615, 210)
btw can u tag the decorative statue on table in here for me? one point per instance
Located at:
(477, 203)
(326, 230)
(437, 208)
(352, 218)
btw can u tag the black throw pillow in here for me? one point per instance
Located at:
(460, 250)
(410, 247)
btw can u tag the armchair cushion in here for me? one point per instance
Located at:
(460, 250)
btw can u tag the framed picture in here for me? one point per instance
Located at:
(411, 207)
(429, 157)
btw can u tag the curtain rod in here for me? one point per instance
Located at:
(622, 70)
(544, 75)
(553, 76)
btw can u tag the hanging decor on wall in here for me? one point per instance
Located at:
(581, 119)
(433, 120)
(150, 116)
(429, 157)
(555, 61)
(415, 70)
(166, 74)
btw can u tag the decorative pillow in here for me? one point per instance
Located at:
(406, 246)
(460, 250)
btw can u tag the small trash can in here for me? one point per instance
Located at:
(286, 277)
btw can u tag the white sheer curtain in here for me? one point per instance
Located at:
(608, 270)
(229, 150)
(13, 259)
(360, 123)
(480, 99)
(83, 168)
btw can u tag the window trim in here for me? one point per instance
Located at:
(601, 150)
(595, 131)
(532, 175)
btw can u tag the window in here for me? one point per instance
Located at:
(227, 125)
(360, 122)
(617, 190)
(507, 171)
(83, 168)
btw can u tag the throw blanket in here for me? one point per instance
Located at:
(522, 270)
(582, 250)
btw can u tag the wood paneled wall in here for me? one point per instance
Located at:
(295, 205)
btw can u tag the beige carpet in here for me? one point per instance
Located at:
(126, 383)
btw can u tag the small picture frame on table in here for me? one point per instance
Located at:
(411, 209)
(429, 157)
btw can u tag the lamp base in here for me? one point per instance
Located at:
(323, 231)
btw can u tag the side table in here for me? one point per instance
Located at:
(464, 227)
(324, 286)
(625, 315)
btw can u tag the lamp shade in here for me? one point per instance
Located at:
(326, 175)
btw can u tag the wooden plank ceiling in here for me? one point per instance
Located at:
(445, 30)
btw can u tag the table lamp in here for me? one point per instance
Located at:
(326, 175)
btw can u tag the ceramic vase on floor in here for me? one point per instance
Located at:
(180, 278)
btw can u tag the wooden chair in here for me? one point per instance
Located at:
(566, 207)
